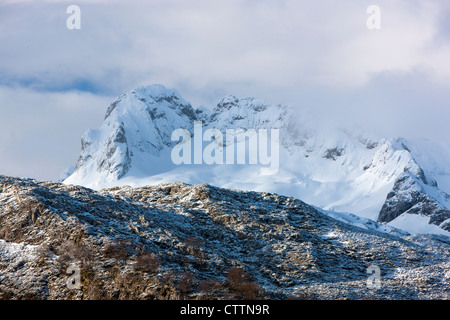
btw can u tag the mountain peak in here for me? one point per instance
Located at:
(330, 168)
(148, 97)
(157, 92)
(228, 101)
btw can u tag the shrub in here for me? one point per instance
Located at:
(168, 290)
(241, 284)
(117, 250)
(235, 276)
(210, 287)
(185, 284)
(71, 252)
(147, 262)
(250, 290)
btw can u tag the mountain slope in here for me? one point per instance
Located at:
(333, 169)
(174, 240)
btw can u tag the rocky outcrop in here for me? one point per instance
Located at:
(409, 196)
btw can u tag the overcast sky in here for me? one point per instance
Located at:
(55, 83)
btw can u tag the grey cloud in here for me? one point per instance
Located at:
(40, 132)
(313, 55)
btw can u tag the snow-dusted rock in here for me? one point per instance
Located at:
(173, 240)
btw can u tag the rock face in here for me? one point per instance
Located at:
(198, 241)
(376, 178)
(138, 123)
(409, 196)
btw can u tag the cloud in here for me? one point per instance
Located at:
(272, 43)
(307, 53)
(408, 104)
(41, 131)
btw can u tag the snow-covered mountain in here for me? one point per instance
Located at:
(403, 182)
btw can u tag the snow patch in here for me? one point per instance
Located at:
(416, 223)
(15, 251)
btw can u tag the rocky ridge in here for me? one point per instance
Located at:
(174, 241)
